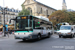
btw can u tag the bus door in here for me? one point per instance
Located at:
(44, 30)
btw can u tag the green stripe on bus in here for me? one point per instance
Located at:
(24, 31)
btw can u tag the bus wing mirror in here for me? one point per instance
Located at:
(72, 29)
(10, 21)
(16, 21)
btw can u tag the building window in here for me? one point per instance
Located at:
(47, 13)
(10, 10)
(41, 10)
(28, 1)
(0, 8)
(30, 10)
(7, 18)
(7, 9)
(52, 11)
(0, 18)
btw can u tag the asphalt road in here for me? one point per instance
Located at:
(53, 43)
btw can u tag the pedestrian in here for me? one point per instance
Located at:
(6, 32)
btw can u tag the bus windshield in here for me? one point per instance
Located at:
(24, 25)
(65, 28)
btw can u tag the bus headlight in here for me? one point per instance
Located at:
(69, 33)
(59, 32)
(30, 35)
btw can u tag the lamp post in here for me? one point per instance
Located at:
(4, 11)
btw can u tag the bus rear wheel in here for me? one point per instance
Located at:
(49, 35)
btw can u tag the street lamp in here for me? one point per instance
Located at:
(4, 11)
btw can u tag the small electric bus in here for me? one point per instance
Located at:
(32, 27)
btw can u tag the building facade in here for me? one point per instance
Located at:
(11, 13)
(64, 7)
(38, 9)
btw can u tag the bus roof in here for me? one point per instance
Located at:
(39, 17)
(43, 18)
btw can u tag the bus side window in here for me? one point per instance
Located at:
(51, 27)
(47, 28)
(38, 28)
(71, 29)
(42, 28)
(34, 24)
(74, 27)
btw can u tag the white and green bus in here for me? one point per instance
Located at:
(32, 27)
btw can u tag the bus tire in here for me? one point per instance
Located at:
(23, 39)
(39, 36)
(48, 35)
(59, 36)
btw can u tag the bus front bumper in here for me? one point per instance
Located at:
(65, 34)
(26, 37)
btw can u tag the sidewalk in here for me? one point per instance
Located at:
(7, 37)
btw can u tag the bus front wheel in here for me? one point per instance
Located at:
(59, 36)
(24, 39)
(39, 36)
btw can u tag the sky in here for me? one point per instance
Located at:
(56, 4)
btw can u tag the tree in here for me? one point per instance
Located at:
(62, 16)
(23, 7)
(59, 17)
(24, 11)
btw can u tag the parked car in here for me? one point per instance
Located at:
(66, 30)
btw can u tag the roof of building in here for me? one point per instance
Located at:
(44, 5)
(11, 10)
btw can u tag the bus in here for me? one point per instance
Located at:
(32, 27)
(59, 25)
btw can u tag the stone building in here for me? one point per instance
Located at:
(38, 9)
(11, 13)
